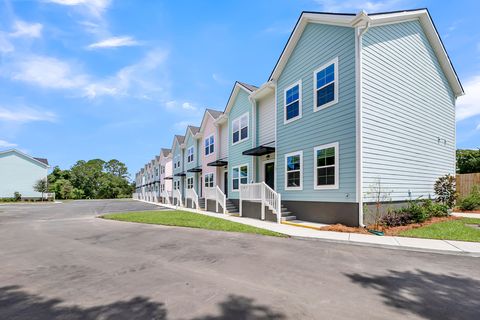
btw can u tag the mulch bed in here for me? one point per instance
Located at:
(389, 231)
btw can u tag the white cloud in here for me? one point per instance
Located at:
(24, 29)
(6, 144)
(478, 127)
(138, 80)
(114, 42)
(25, 114)
(469, 104)
(46, 72)
(5, 44)
(356, 5)
(175, 105)
(94, 7)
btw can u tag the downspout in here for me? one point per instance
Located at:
(359, 46)
(253, 103)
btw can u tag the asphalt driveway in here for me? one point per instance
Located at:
(57, 261)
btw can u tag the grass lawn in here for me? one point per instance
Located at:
(447, 230)
(188, 219)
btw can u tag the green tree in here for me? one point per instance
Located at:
(41, 186)
(62, 188)
(86, 176)
(116, 168)
(468, 161)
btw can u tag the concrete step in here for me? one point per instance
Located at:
(289, 218)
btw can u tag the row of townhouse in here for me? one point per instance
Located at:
(152, 182)
(356, 106)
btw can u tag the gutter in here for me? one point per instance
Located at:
(361, 17)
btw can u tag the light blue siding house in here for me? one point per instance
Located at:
(178, 168)
(19, 172)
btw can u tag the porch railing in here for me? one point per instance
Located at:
(192, 195)
(216, 194)
(178, 196)
(263, 193)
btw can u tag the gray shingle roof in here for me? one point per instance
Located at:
(250, 87)
(42, 160)
(215, 113)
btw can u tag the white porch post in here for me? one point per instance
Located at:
(262, 202)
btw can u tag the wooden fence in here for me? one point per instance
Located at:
(465, 183)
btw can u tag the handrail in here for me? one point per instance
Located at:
(192, 194)
(262, 192)
(222, 198)
(177, 195)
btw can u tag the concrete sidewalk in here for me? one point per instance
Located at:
(417, 244)
(466, 215)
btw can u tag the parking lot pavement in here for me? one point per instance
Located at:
(60, 262)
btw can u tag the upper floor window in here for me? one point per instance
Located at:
(293, 170)
(293, 102)
(326, 85)
(162, 169)
(209, 145)
(240, 128)
(239, 176)
(326, 166)
(190, 154)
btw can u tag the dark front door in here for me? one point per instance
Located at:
(225, 183)
(270, 174)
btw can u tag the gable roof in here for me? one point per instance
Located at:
(42, 161)
(193, 131)
(180, 139)
(235, 90)
(375, 19)
(165, 152)
(214, 114)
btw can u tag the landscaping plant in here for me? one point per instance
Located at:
(472, 201)
(445, 189)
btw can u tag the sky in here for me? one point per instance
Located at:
(86, 79)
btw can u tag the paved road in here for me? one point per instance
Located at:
(59, 262)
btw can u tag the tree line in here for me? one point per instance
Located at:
(92, 179)
(468, 161)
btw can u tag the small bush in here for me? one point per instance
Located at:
(445, 189)
(414, 212)
(472, 201)
(17, 196)
(396, 218)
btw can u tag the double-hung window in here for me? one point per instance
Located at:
(326, 166)
(208, 180)
(294, 171)
(239, 176)
(293, 102)
(190, 154)
(240, 128)
(209, 145)
(190, 183)
(326, 85)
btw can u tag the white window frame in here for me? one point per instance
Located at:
(188, 154)
(335, 81)
(239, 178)
(239, 119)
(188, 182)
(337, 167)
(299, 83)
(213, 143)
(300, 153)
(208, 180)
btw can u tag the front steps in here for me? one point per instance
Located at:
(201, 203)
(287, 215)
(231, 208)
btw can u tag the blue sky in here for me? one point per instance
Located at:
(83, 79)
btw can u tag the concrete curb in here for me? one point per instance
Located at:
(388, 242)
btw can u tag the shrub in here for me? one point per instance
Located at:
(414, 212)
(445, 189)
(472, 201)
(396, 218)
(17, 196)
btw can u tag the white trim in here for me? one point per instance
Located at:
(205, 179)
(239, 118)
(299, 84)
(275, 159)
(233, 95)
(239, 179)
(337, 167)
(193, 154)
(336, 82)
(46, 166)
(286, 172)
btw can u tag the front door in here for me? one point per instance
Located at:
(225, 183)
(269, 174)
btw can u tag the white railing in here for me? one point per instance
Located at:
(216, 194)
(221, 198)
(263, 193)
(192, 195)
(177, 195)
(166, 195)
